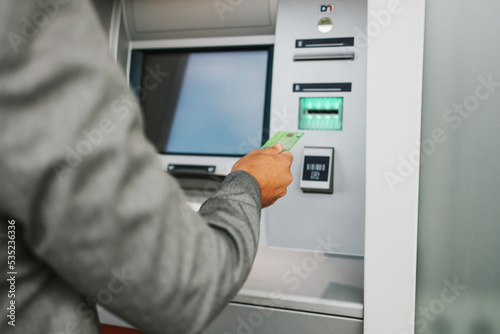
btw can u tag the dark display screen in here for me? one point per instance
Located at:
(206, 102)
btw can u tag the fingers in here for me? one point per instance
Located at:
(288, 155)
(277, 150)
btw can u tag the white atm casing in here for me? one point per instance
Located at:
(394, 54)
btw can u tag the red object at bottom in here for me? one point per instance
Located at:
(108, 329)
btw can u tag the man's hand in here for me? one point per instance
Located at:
(271, 167)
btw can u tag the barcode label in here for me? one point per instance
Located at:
(316, 167)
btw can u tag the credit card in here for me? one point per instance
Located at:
(287, 139)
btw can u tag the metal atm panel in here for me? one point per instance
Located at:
(300, 219)
(311, 258)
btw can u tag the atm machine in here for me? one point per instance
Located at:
(215, 80)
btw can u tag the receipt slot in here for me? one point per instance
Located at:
(317, 170)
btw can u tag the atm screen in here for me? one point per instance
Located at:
(204, 101)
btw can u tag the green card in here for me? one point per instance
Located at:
(287, 139)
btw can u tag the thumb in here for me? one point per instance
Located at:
(276, 149)
(279, 146)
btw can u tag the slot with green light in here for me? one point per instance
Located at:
(320, 113)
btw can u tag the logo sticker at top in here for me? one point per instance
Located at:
(326, 8)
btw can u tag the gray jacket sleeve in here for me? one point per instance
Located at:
(92, 200)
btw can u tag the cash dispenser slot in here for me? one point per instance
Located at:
(321, 113)
(339, 56)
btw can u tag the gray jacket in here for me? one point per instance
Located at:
(94, 216)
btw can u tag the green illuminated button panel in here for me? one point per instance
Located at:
(320, 113)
